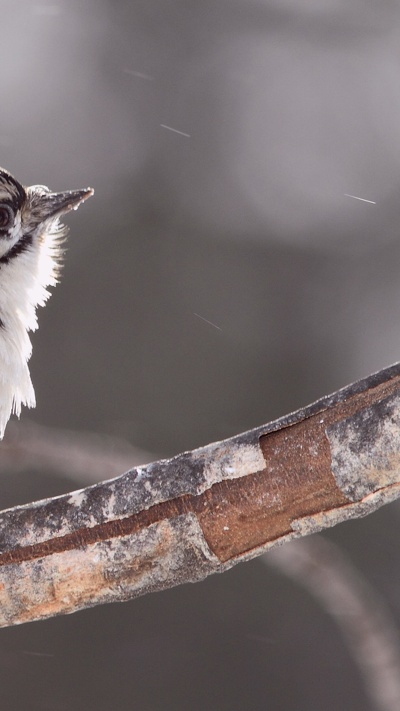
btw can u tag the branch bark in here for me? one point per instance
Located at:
(179, 520)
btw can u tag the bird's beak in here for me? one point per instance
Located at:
(56, 204)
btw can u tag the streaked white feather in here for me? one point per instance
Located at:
(23, 287)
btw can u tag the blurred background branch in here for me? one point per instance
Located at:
(363, 618)
(83, 457)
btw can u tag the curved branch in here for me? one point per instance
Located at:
(179, 520)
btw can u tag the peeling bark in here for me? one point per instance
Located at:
(181, 519)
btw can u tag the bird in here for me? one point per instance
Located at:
(31, 249)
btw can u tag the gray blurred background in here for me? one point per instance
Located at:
(221, 276)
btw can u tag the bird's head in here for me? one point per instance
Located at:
(29, 260)
(28, 212)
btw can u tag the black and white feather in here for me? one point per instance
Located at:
(30, 251)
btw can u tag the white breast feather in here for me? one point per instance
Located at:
(23, 287)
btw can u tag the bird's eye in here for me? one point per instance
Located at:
(6, 217)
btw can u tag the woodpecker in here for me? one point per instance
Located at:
(31, 238)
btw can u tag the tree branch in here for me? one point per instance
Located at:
(179, 520)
